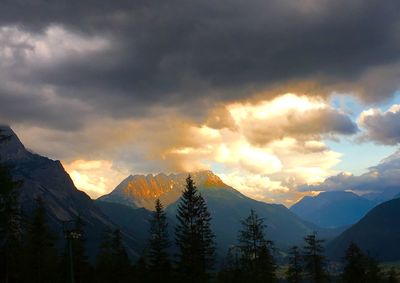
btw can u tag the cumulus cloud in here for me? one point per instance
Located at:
(380, 178)
(256, 186)
(157, 86)
(165, 143)
(293, 116)
(95, 176)
(381, 127)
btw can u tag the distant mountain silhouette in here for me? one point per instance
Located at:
(227, 206)
(47, 179)
(333, 209)
(385, 195)
(378, 232)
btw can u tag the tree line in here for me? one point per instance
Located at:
(28, 251)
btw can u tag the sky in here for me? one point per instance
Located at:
(280, 98)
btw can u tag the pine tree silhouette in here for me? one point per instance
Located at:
(194, 238)
(360, 267)
(160, 266)
(355, 265)
(112, 263)
(122, 265)
(104, 259)
(10, 227)
(41, 254)
(207, 245)
(231, 271)
(256, 260)
(83, 270)
(294, 274)
(374, 272)
(314, 259)
(142, 270)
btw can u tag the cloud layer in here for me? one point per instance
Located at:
(381, 127)
(126, 58)
(380, 178)
(148, 86)
(282, 157)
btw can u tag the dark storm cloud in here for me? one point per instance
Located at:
(24, 106)
(185, 53)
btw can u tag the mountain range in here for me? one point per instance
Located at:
(227, 206)
(129, 207)
(333, 209)
(378, 233)
(46, 179)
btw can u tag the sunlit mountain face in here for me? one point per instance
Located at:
(137, 195)
(142, 191)
(280, 99)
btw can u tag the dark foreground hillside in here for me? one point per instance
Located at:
(378, 232)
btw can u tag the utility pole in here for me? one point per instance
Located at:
(71, 233)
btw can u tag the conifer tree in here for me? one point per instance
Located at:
(194, 237)
(257, 262)
(112, 263)
(82, 269)
(206, 236)
(160, 267)
(104, 259)
(142, 270)
(314, 259)
(360, 267)
(231, 271)
(84, 272)
(374, 272)
(251, 237)
(355, 268)
(41, 254)
(294, 273)
(122, 265)
(10, 227)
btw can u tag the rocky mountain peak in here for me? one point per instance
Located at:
(143, 190)
(10, 145)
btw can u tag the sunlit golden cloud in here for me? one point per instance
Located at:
(95, 177)
(235, 90)
(105, 153)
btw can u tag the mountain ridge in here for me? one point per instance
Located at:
(228, 207)
(46, 178)
(333, 209)
(142, 190)
(377, 233)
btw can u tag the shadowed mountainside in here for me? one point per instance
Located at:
(227, 206)
(332, 209)
(47, 179)
(378, 232)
